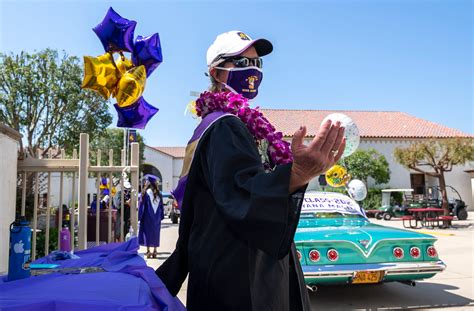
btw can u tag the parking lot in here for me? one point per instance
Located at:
(452, 289)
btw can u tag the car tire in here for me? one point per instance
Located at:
(378, 216)
(462, 214)
(387, 216)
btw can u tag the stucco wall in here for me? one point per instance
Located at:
(400, 176)
(8, 177)
(164, 163)
(177, 167)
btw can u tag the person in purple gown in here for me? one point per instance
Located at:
(150, 214)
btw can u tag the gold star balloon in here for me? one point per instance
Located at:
(337, 176)
(131, 86)
(100, 74)
(123, 64)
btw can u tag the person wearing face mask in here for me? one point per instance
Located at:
(241, 190)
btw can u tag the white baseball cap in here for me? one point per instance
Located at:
(233, 43)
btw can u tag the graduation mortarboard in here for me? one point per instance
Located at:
(151, 178)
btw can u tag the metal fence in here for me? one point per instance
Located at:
(79, 168)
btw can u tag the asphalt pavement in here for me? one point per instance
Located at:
(452, 289)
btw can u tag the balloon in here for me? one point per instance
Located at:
(130, 86)
(124, 79)
(337, 176)
(147, 52)
(116, 32)
(351, 132)
(357, 189)
(100, 74)
(136, 115)
(124, 64)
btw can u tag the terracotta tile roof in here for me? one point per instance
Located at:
(175, 152)
(372, 124)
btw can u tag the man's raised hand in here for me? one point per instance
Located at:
(316, 158)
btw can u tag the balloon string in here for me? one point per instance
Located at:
(343, 164)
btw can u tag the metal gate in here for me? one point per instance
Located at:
(79, 169)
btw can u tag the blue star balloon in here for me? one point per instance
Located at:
(136, 115)
(147, 52)
(115, 32)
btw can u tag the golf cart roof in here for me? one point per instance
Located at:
(397, 190)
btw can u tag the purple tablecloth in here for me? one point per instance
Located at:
(127, 284)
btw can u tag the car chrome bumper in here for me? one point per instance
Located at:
(395, 268)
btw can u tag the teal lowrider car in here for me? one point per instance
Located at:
(336, 243)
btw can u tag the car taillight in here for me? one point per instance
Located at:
(314, 255)
(333, 255)
(398, 252)
(415, 252)
(431, 251)
(298, 253)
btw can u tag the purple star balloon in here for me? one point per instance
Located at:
(136, 115)
(116, 32)
(147, 52)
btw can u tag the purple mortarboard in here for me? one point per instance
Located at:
(151, 178)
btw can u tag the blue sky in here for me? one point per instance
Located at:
(411, 56)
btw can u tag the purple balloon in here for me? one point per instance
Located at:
(116, 32)
(136, 115)
(147, 52)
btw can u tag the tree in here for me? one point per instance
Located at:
(363, 164)
(41, 97)
(439, 156)
(112, 138)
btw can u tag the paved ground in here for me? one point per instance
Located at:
(452, 289)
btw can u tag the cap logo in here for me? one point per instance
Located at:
(243, 36)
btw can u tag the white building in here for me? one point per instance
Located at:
(9, 141)
(381, 130)
(165, 163)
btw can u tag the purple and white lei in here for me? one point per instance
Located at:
(278, 150)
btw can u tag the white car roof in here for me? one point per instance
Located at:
(330, 202)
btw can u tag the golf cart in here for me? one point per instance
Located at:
(433, 197)
(392, 206)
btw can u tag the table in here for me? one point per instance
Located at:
(127, 284)
(427, 215)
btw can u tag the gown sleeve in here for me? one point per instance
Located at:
(255, 204)
(174, 270)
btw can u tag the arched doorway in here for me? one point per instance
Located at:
(150, 169)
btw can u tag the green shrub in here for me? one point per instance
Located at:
(40, 240)
(373, 199)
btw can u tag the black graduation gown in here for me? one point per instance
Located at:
(237, 228)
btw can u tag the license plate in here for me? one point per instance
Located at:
(366, 277)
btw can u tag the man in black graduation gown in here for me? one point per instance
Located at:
(238, 221)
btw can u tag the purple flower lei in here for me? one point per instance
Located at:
(278, 150)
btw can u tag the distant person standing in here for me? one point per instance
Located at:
(126, 209)
(150, 214)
